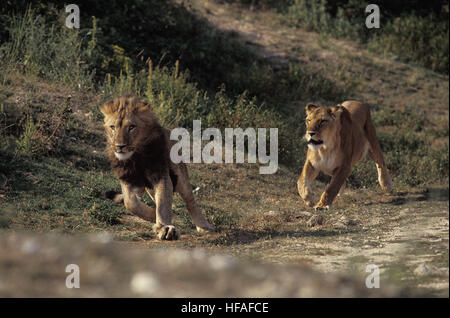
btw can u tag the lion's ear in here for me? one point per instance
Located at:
(143, 108)
(336, 111)
(310, 107)
(107, 109)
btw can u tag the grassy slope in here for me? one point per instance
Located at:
(63, 192)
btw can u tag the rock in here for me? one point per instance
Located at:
(340, 225)
(347, 221)
(273, 213)
(430, 270)
(196, 190)
(315, 220)
(144, 283)
(303, 214)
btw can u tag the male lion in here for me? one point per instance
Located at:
(138, 151)
(338, 137)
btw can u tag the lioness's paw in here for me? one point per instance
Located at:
(166, 232)
(321, 208)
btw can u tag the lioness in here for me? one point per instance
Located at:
(338, 137)
(138, 151)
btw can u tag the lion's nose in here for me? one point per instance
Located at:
(120, 146)
(311, 133)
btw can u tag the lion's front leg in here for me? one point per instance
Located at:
(304, 183)
(332, 189)
(134, 204)
(163, 197)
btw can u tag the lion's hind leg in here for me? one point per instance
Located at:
(184, 188)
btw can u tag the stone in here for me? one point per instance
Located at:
(315, 220)
(340, 225)
(347, 221)
(144, 283)
(303, 214)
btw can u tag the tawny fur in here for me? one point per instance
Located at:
(338, 137)
(138, 151)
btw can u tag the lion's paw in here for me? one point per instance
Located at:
(166, 232)
(321, 208)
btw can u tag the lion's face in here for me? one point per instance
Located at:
(322, 126)
(126, 125)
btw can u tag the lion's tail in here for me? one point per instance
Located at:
(117, 197)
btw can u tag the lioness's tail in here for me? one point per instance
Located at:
(117, 197)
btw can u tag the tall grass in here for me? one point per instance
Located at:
(46, 50)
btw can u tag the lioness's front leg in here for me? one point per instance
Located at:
(163, 197)
(134, 204)
(332, 189)
(304, 183)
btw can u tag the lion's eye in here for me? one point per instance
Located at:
(323, 122)
(112, 127)
(131, 127)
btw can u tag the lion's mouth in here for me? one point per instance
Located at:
(121, 155)
(315, 142)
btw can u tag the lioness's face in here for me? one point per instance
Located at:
(123, 133)
(321, 126)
